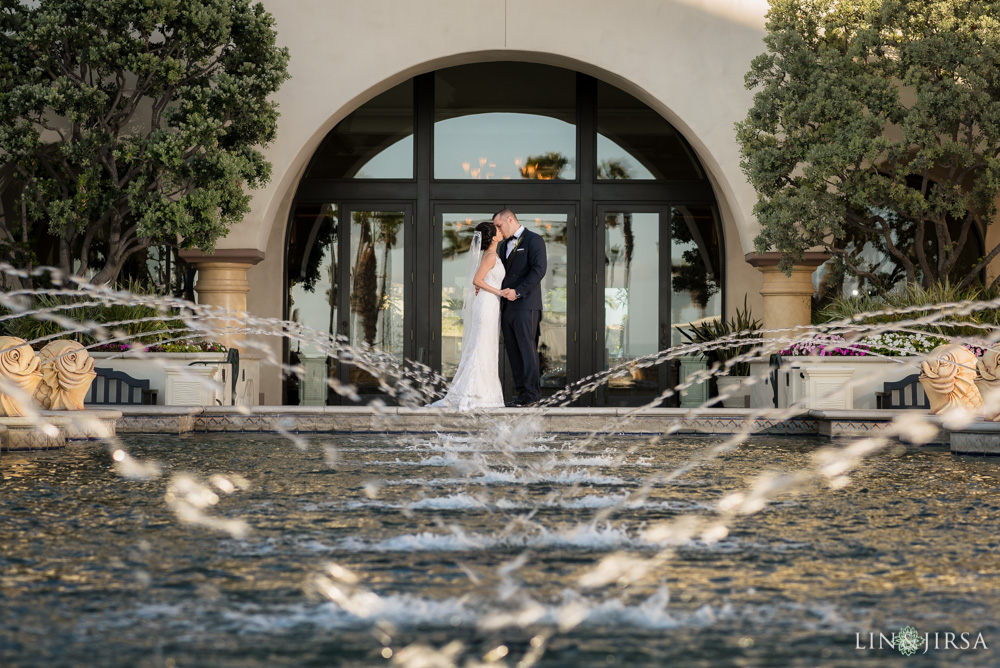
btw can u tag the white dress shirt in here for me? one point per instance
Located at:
(517, 235)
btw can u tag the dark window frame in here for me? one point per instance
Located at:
(424, 197)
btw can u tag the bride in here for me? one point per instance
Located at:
(477, 382)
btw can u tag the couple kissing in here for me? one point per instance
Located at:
(503, 294)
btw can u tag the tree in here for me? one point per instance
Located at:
(544, 167)
(130, 124)
(875, 131)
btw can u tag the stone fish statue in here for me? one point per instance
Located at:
(67, 373)
(989, 383)
(19, 370)
(948, 377)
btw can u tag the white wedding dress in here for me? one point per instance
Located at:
(477, 382)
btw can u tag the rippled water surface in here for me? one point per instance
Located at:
(494, 544)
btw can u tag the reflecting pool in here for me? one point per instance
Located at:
(525, 548)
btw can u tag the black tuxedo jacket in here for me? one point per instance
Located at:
(525, 268)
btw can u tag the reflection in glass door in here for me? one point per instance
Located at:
(661, 272)
(552, 343)
(631, 300)
(377, 280)
(456, 238)
(346, 279)
(695, 288)
(313, 298)
(695, 267)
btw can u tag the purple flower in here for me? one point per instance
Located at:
(825, 347)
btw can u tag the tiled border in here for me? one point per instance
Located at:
(979, 438)
(52, 429)
(359, 420)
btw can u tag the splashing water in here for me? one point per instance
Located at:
(501, 545)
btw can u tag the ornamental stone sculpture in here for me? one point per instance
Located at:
(989, 383)
(948, 377)
(19, 376)
(67, 373)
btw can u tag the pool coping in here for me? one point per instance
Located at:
(391, 419)
(978, 437)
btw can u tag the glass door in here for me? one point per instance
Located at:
(633, 306)
(348, 274)
(457, 225)
(660, 272)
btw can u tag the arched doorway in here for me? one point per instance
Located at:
(384, 216)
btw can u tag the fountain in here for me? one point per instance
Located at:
(496, 541)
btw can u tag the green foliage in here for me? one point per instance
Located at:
(875, 123)
(187, 346)
(90, 323)
(131, 124)
(742, 324)
(905, 305)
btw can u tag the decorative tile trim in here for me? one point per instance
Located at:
(31, 438)
(155, 424)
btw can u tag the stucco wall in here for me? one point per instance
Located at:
(684, 58)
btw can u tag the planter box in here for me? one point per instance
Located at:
(154, 367)
(736, 390)
(804, 378)
(313, 386)
(697, 394)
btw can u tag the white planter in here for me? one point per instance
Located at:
(314, 384)
(736, 388)
(697, 394)
(193, 386)
(868, 376)
(153, 366)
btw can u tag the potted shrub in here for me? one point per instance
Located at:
(743, 332)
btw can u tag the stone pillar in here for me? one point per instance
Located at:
(787, 299)
(222, 283)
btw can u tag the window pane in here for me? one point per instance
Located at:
(377, 273)
(553, 227)
(695, 261)
(505, 121)
(312, 297)
(631, 297)
(374, 142)
(634, 142)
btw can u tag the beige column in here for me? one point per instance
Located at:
(787, 299)
(222, 283)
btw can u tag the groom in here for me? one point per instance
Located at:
(523, 255)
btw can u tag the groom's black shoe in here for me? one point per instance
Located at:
(520, 402)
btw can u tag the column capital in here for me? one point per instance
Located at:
(772, 258)
(248, 256)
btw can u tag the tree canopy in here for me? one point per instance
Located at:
(875, 133)
(126, 124)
